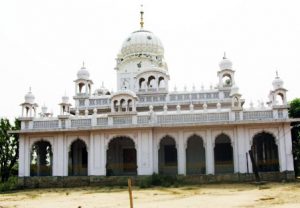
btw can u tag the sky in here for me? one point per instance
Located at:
(43, 44)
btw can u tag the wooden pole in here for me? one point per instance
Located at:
(130, 192)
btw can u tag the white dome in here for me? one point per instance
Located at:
(29, 97)
(225, 64)
(142, 41)
(83, 73)
(277, 83)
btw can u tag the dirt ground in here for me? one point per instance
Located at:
(275, 195)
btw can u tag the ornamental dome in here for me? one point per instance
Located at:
(102, 91)
(142, 41)
(83, 73)
(225, 64)
(277, 83)
(29, 97)
(234, 90)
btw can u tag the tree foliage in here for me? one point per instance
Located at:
(9, 148)
(294, 111)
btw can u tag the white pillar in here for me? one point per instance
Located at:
(235, 151)
(155, 154)
(209, 153)
(288, 147)
(21, 156)
(281, 149)
(241, 155)
(102, 154)
(27, 150)
(181, 156)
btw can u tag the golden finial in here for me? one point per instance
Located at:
(142, 19)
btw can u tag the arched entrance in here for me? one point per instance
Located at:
(195, 156)
(78, 159)
(41, 159)
(265, 152)
(167, 156)
(223, 153)
(121, 157)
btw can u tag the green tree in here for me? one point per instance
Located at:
(9, 148)
(294, 112)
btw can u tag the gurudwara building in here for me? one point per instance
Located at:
(144, 128)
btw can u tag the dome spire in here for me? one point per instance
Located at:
(83, 67)
(277, 74)
(142, 19)
(224, 57)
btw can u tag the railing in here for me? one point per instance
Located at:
(45, 124)
(81, 123)
(124, 120)
(193, 118)
(258, 115)
(183, 117)
(143, 119)
(102, 121)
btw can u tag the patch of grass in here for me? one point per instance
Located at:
(11, 184)
(160, 180)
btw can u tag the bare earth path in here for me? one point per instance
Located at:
(275, 195)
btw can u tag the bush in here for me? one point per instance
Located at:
(9, 185)
(159, 180)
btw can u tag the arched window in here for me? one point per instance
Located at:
(142, 84)
(161, 82)
(129, 105)
(151, 82)
(122, 105)
(279, 99)
(227, 80)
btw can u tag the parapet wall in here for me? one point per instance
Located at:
(77, 181)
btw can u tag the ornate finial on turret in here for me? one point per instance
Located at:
(142, 19)
(277, 74)
(224, 57)
(29, 88)
(83, 66)
(102, 84)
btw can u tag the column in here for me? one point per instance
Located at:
(281, 149)
(181, 156)
(21, 156)
(241, 157)
(209, 153)
(155, 154)
(288, 147)
(27, 151)
(101, 149)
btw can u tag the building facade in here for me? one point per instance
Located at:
(144, 128)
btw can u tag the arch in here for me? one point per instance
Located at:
(195, 155)
(161, 82)
(227, 80)
(81, 87)
(78, 158)
(151, 82)
(116, 105)
(142, 83)
(121, 157)
(122, 105)
(279, 99)
(223, 153)
(235, 101)
(265, 152)
(129, 105)
(41, 158)
(167, 156)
